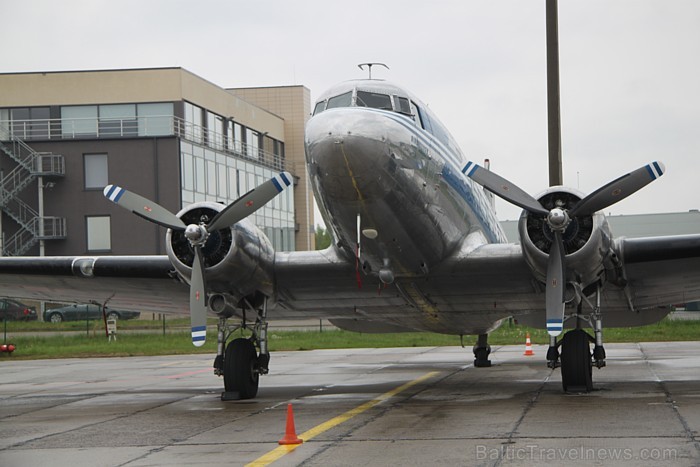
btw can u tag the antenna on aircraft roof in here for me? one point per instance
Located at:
(369, 66)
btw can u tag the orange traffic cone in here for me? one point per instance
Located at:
(290, 435)
(528, 346)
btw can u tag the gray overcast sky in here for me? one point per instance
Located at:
(629, 70)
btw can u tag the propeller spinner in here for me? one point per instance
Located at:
(558, 218)
(197, 234)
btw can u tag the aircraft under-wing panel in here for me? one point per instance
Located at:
(416, 246)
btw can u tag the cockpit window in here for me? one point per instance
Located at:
(320, 107)
(423, 119)
(402, 105)
(343, 100)
(374, 100)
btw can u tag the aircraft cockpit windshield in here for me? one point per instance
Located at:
(343, 100)
(374, 100)
(365, 98)
(384, 96)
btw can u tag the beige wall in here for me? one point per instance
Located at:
(89, 87)
(293, 104)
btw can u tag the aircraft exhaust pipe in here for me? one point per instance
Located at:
(571, 295)
(218, 303)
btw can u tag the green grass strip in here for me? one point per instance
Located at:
(93, 343)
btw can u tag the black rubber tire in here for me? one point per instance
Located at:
(481, 357)
(576, 368)
(240, 368)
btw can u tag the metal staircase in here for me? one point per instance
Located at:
(30, 165)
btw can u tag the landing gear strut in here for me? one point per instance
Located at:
(482, 349)
(240, 364)
(553, 353)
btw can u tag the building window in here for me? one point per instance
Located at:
(26, 122)
(20, 122)
(98, 233)
(193, 122)
(215, 131)
(199, 176)
(229, 135)
(252, 140)
(37, 126)
(96, 172)
(117, 120)
(4, 124)
(79, 121)
(155, 119)
(222, 189)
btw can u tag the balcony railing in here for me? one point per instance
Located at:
(147, 126)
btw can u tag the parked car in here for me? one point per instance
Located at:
(83, 312)
(12, 310)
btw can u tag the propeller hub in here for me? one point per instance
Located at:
(558, 219)
(196, 234)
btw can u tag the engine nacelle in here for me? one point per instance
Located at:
(587, 239)
(238, 261)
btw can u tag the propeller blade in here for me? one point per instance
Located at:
(198, 300)
(143, 207)
(503, 188)
(250, 202)
(618, 189)
(555, 287)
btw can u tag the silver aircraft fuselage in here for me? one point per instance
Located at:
(387, 175)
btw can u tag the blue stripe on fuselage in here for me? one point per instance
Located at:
(468, 190)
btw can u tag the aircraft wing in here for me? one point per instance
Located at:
(471, 290)
(141, 283)
(662, 270)
(476, 287)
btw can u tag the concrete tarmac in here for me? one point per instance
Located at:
(406, 406)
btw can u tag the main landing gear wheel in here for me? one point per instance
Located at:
(482, 350)
(576, 365)
(481, 359)
(240, 368)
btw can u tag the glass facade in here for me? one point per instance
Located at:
(216, 176)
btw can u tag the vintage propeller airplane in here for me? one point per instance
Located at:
(413, 218)
(409, 215)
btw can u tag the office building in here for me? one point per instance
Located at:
(165, 133)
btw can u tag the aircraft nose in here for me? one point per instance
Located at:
(346, 142)
(348, 150)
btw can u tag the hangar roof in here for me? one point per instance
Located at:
(637, 225)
